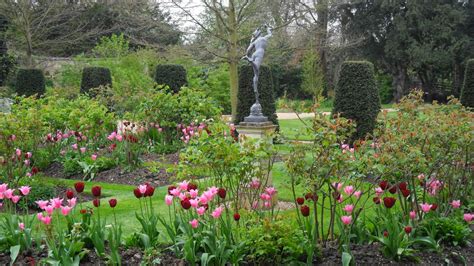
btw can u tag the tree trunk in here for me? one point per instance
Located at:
(233, 56)
(321, 37)
(399, 82)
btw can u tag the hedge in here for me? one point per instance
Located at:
(357, 96)
(30, 82)
(246, 96)
(94, 77)
(467, 92)
(174, 76)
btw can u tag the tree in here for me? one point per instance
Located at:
(313, 76)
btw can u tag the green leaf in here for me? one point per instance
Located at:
(346, 258)
(14, 251)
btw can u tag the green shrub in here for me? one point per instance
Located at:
(7, 62)
(287, 82)
(246, 96)
(94, 77)
(30, 82)
(467, 92)
(450, 231)
(174, 76)
(384, 83)
(357, 96)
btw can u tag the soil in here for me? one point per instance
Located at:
(117, 175)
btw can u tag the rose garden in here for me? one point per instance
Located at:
(126, 158)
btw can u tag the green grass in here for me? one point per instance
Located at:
(293, 129)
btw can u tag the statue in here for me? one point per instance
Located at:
(259, 43)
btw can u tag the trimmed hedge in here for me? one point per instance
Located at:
(467, 92)
(94, 77)
(357, 96)
(246, 96)
(30, 82)
(174, 76)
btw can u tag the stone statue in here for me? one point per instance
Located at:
(259, 43)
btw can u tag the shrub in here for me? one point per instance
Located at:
(467, 93)
(174, 76)
(246, 96)
(450, 231)
(94, 77)
(30, 82)
(357, 96)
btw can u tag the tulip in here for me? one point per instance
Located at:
(408, 229)
(74, 146)
(346, 219)
(69, 194)
(168, 200)
(194, 223)
(393, 189)
(376, 200)
(378, 191)
(42, 203)
(83, 149)
(3, 188)
(170, 188)
(137, 193)
(348, 208)
(357, 193)
(434, 207)
(18, 153)
(72, 202)
(25, 190)
(304, 210)
(150, 190)
(56, 202)
(192, 186)
(26, 162)
(112, 203)
(265, 196)
(425, 207)
(49, 209)
(46, 220)
(222, 193)
(456, 204)
(21, 226)
(185, 204)
(300, 201)
(79, 186)
(8, 193)
(385, 233)
(468, 217)
(142, 189)
(193, 193)
(15, 199)
(311, 196)
(236, 217)
(65, 210)
(412, 215)
(405, 193)
(217, 212)
(94, 157)
(96, 191)
(201, 210)
(271, 191)
(255, 183)
(28, 155)
(194, 203)
(175, 192)
(183, 185)
(402, 186)
(383, 185)
(389, 202)
(348, 190)
(96, 202)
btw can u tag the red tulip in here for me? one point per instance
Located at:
(311, 196)
(384, 185)
(69, 194)
(434, 207)
(206, 206)
(79, 186)
(402, 186)
(96, 202)
(376, 200)
(113, 203)
(137, 193)
(336, 195)
(405, 192)
(83, 211)
(236, 216)
(393, 189)
(222, 193)
(304, 210)
(300, 201)
(192, 186)
(389, 202)
(170, 188)
(185, 204)
(34, 170)
(408, 229)
(149, 191)
(385, 233)
(96, 191)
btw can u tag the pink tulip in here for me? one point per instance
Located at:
(337, 185)
(21, 226)
(193, 193)
(142, 189)
(119, 138)
(72, 202)
(39, 215)
(213, 190)
(28, 174)
(255, 184)
(12, 137)
(255, 205)
(346, 219)
(83, 149)
(175, 192)
(348, 190)
(26, 162)
(56, 202)
(468, 217)
(194, 223)
(217, 212)
(348, 208)
(183, 185)
(65, 210)
(412, 215)
(3, 187)
(378, 191)
(456, 204)
(112, 136)
(25, 190)
(94, 157)
(421, 177)
(8, 193)
(357, 193)
(182, 196)
(340, 199)
(49, 209)
(203, 200)
(15, 199)
(271, 191)
(46, 220)
(425, 207)
(201, 210)
(42, 204)
(265, 196)
(74, 146)
(168, 200)
(267, 204)
(194, 203)
(18, 152)
(28, 155)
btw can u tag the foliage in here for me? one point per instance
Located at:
(30, 82)
(287, 82)
(357, 96)
(7, 63)
(246, 95)
(384, 83)
(113, 46)
(467, 93)
(95, 77)
(313, 76)
(448, 230)
(173, 76)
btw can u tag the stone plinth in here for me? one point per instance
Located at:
(256, 130)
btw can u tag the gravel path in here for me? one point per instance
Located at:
(288, 116)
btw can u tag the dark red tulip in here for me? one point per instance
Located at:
(236, 216)
(83, 211)
(206, 206)
(311, 196)
(408, 229)
(137, 193)
(113, 203)
(393, 189)
(385, 233)
(34, 170)
(222, 193)
(149, 191)
(300, 201)
(336, 195)
(376, 200)
(192, 186)
(79, 186)
(170, 188)
(96, 202)
(402, 186)
(69, 194)
(304, 210)
(405, 192)
(96, 191)
(384, 185)
(186, 204)
(389, 202)
(434, 207)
